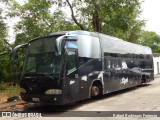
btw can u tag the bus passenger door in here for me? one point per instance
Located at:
(71, 78)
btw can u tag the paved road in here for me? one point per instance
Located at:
(143, 98)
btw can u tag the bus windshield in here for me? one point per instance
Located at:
(42, 57)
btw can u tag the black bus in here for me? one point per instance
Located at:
(70, 66)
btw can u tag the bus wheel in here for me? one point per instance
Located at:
(95, 91)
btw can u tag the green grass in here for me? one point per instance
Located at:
(9, 91)
(12, 91)
(2, 87)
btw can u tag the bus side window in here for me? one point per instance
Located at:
(71, 62)
(107, 63)
(117, 64)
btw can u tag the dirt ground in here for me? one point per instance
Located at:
(3, 96)
(8, 92)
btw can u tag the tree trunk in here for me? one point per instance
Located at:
(96, 22)
(73, 16)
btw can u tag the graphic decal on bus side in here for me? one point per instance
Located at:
(124, 80)
(100, 76)
(84, 78)
(72, 82)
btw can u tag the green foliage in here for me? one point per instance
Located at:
(3, 33)
(37, 20)
(4, 50)
(117, 18)
(8, 90)
(2, 87)
(152, 40)
(5, 68)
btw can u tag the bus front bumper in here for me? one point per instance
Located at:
(53, 99)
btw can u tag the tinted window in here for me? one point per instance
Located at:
(71, 62)
(46, 44)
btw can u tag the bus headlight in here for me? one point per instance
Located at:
(22, 90)
(53, 92)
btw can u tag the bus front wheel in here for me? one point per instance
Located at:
(95, 91)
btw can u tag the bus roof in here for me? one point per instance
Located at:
(107, 42)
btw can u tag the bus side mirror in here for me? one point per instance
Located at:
(66, 41)
(14, 51)
(70, 38)
(70, 42)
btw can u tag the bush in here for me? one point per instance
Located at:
(2, 86)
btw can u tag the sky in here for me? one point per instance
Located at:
(151, 9)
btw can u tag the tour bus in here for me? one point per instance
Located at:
(70, 66)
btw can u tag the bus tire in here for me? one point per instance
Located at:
(96, 89)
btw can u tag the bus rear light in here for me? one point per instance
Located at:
(22, 90)
(53, 92)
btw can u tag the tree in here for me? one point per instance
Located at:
(4, 50)
(36, 19)
(117, 18)
(152, 40)
(3, 33)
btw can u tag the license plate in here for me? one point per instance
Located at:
(35, 99)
